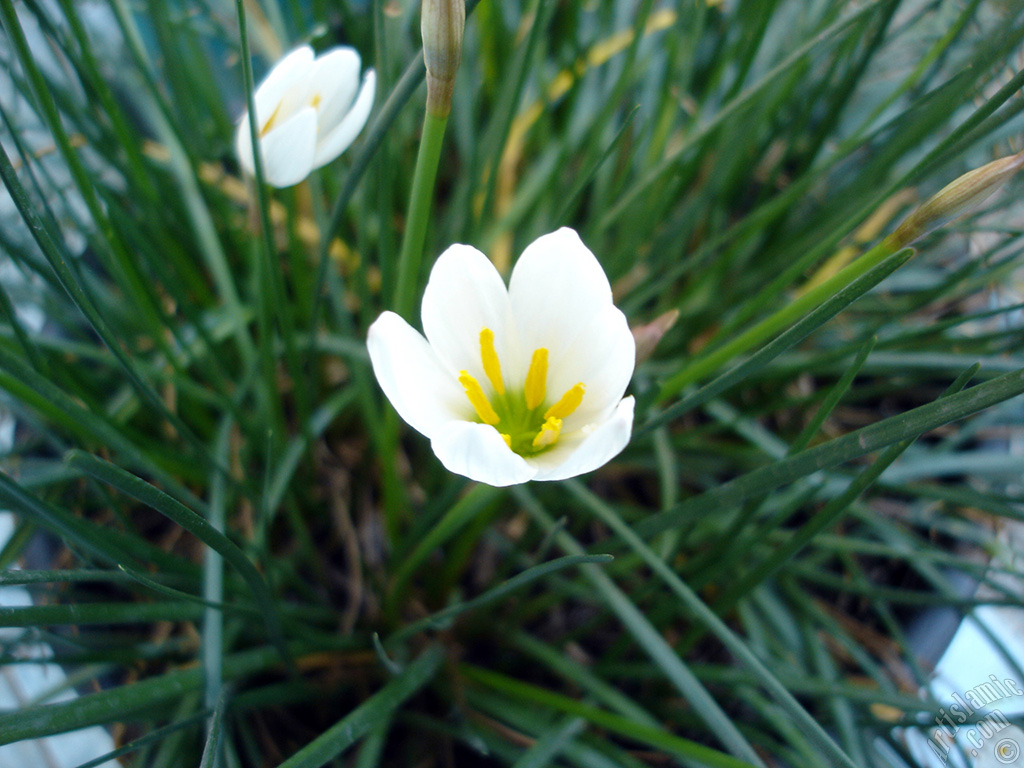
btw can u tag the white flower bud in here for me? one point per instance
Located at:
(442, 23)
(309, 109)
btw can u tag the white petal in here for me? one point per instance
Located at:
(267, 98)
(425, 395)
(561, 300)
(557, 285)
(464, 295)
(602, 357)
(331, 73)
(478, 452)
(337, 140)
(335, 77)
(288, 149)
(588, 449)
(281, 80)
(243, 146)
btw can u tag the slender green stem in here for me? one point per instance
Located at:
(272, 290)
(212, 648)
(774, 323)
(419, 211)
(408, 273)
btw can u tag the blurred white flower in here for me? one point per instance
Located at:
(517, 384)
(1004, 748)
(308, 110)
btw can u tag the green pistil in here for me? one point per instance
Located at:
(520, 423)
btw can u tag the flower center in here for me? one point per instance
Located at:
(314, 102)
(520, 417)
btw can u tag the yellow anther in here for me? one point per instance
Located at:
(568, 403)
(548, 434)
(492, 366)
(476, 396)
(507, 439)
(537, 378)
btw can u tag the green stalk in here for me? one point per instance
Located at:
(772, 324)
(419, 211)
(409, 261)
(271, 281)
(212, 638)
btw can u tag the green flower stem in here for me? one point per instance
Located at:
(419, 211)
(212, 637)
(772, 324)
(409, 261)
(273, 299)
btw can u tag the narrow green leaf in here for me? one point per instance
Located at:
(788, 339)
(458, 516)
(104, 544)
(708, 618)
(70, 282)
(651, 736)
(125, 702)
(215, 732)
(652, 642)
(81, 614)
(494, 594)
(741, 100)
(551, 743)
(154, 736)
(191, 522)
(835, 394)
(825, 517)
(357, 723)
(866, 440)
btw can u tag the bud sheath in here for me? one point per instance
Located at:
(957, 198)
(442, 23)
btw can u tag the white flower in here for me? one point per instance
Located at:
(515, 384)
(308, 110)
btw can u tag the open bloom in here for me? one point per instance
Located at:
(515, 384)
(308, 110)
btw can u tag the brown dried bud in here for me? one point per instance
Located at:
(956, 198)
(441, 24)
(647, 336)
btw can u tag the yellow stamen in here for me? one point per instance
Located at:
(507, 439)
(315, 101)
(548, 434)
(569, 402)
(476, 396)
(270, 123)
(492, 366)
(537, 378)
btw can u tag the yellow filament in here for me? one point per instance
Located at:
(568, 403)
(507, 439)
(537, 378)
(548, 434)
(492, 366)
(476, 396)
